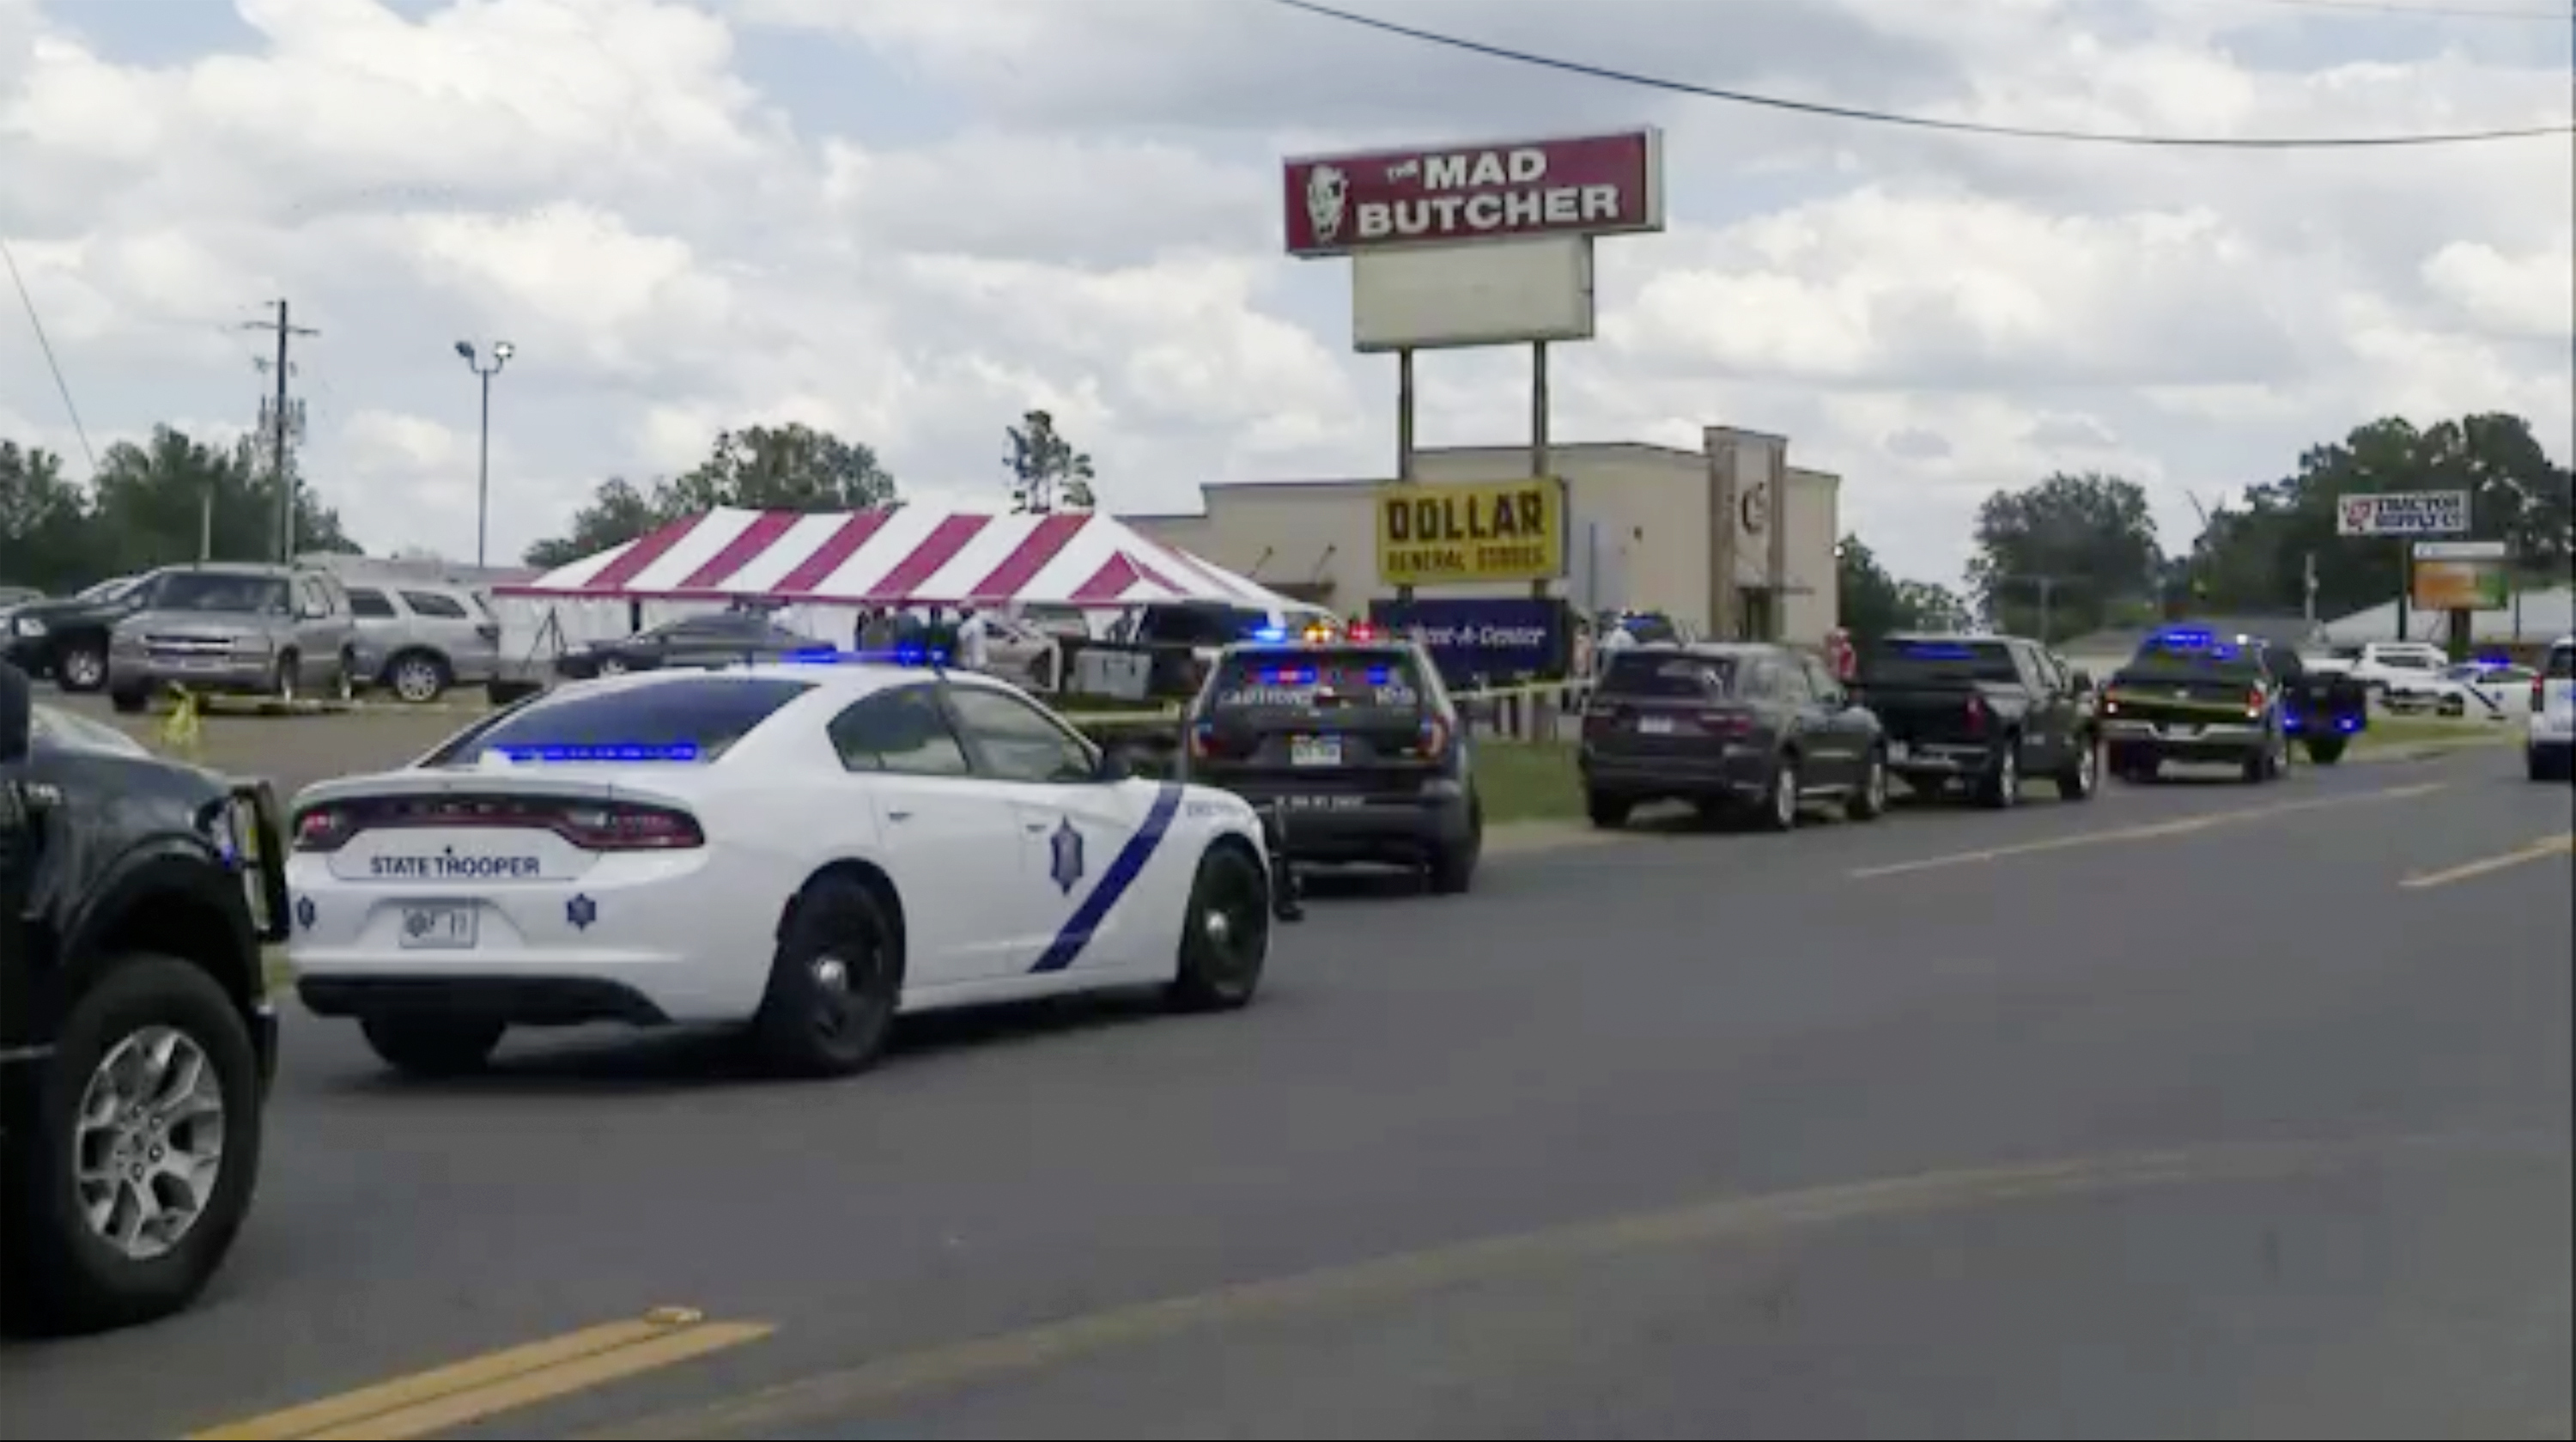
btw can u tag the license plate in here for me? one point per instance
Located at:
(438, 928)
(1315, 751)
(1655, 725)
(1898, 750)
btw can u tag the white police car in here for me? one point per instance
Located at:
(2549, 737)
(809, 848)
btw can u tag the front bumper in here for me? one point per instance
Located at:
(143, 672)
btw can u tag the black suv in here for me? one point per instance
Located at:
(1731, 728)
(1355, 743)
(136, 1039)
(68, 639)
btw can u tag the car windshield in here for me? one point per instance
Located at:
(691, 719)
(219, 591)
(1937, 663)
(1672, 675)
(1312, 676)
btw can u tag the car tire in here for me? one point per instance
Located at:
(834, 984)
(2540, 765)
(63, 1275)
(2272, 763)
(1608, 811)
(1999, 788)
(129, 701)
(2083, 776)
(1870, 802)
(1453, 865)
(81, 667)
(1780, 802)
(344, 679)
(2326, 750)
(418, 678)
(429, 1045)
(286, 683)
(1225, 934)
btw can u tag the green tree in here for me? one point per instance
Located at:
(46, 539)
(763, 468)
(1930, 606)
(2069, 555)
(1047, 473)
(1873, 603)
(2252, 555)
(173, 498)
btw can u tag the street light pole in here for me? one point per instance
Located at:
(474, 361)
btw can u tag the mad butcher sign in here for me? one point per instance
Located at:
(1588, 185)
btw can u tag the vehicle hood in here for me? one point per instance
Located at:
(60, 613)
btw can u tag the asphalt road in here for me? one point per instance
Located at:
(2181, 1113)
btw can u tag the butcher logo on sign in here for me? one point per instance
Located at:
(1328, 200)
(2358, 514)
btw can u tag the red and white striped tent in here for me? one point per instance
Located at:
(906, 556)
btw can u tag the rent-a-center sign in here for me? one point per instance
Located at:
(1448, 195)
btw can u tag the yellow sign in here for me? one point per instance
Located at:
(1485, 531)
(2472, 585)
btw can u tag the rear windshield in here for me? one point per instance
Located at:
(693, 719)
(1679, 677)
(2561, 663)
(1935, 663)
(1307, 677)
(2235, 665)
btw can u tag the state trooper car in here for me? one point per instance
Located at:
(809, 848)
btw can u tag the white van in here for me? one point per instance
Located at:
(2549, 742)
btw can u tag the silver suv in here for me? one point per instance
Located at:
(417, 638)
(259, 630)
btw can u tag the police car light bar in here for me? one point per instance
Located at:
(899, 656)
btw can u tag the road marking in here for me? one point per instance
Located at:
(2153, 831)
(840, 1398)
(2541, 850)
(442, 1398)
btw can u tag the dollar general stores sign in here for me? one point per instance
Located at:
(1487, 531)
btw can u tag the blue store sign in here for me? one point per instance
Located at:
(1483, 637)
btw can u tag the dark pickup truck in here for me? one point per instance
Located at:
(2191, 697)
(136, 1038)
(1981, 714)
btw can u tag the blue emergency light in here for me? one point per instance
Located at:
(1269, 633)
(674, 751)
(1940, 651)
(899, 656)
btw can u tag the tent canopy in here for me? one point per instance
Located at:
(906, 556)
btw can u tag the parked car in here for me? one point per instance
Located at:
(2549, 736)
(722, 639)
(1731, 728)
(67, 640)
(258, 630)
(12, 597)
(418, 638)
(2192, 697)
(1982, 713)
(136, 1037)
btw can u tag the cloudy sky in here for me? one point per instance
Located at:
(909, 220)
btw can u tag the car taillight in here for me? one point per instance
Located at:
(1734, 725)
(2253, 702)
(629, 828)
(2539, 694)
(1435, 738)
(1599, 719)
(324, 828)
(1975, 716)
(592, 826)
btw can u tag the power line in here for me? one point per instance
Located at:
(1922, 122)
(45, 343)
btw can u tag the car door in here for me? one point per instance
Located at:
(1802, 711)
(2048, 733)
(1852, 729)
(952, 840)
(322, 629)
(1085, 842)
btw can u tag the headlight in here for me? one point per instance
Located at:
(29, 626)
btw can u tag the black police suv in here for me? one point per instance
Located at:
(2190, 697)
(1733, 728)
(1355, 743)
(136, 1038)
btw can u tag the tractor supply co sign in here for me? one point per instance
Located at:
(1586, 185)
(1491, 531)
(2403, 513)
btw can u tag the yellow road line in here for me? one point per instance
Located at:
(2540, 850)
(442, 1398)
(2153, 831)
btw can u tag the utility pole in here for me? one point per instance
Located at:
(281, 423)
(2047, 598)
(2308, 590)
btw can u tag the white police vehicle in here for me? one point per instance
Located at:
(809, 848)
(2549, 736)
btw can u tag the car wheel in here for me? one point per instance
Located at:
(82, 667)
(418, 677)
(135, 1171)
(2000, 788)
(1780, 805)
(344, 679)
(129, 702)
(611, 666)
(430, 1045)
(1225, 934)
(1453, 867)
(2325, 750)
(833, 985)
(1870, 802)
(2080, 780)
(285, 685)
(1607, 811)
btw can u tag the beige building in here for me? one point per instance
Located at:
(1644, 527)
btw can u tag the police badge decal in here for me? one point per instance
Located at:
(1328, 201)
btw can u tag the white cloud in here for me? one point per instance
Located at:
(911, 222)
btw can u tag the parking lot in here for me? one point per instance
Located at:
(2198, 1109)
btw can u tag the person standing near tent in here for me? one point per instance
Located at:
(974, 639)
